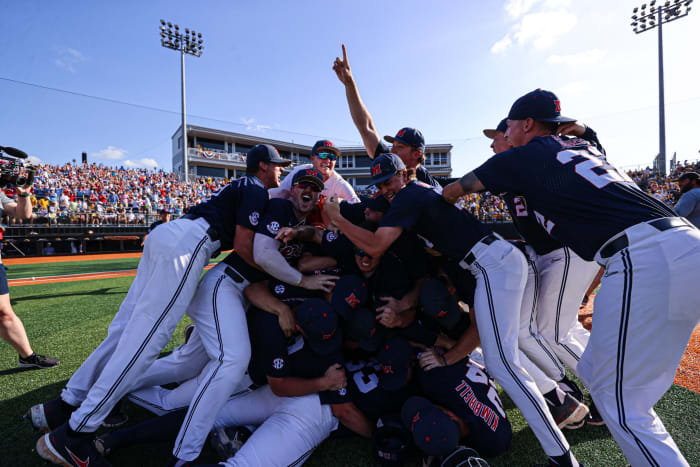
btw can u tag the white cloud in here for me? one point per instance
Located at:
(34, 160)
(587, 57)
(109, 153)
(68, 58)
(517, 8)
(573, 90)
(543, 29)
(250, 125)
(141, 163)
(502, 45)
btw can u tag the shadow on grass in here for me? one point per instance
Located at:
(73, 294)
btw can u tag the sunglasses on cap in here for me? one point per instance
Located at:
(304, 185)
(326, 155)
(362, 253)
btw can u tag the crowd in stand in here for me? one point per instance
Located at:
(96, 195)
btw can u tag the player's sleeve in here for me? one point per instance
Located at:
(252, 206)
(503, 171)
(276, 216)
(687, 203)
(335, 245)
(336, 397)
(424, 176)
(381, 149)
(270, 344)
(404, 211)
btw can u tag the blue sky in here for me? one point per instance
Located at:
(449, 68)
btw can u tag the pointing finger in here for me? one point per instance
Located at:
(345, 54)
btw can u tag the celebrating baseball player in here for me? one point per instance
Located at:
(649, 291)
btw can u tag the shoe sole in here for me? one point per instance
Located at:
(596, 422)
(575, 426)
(110, 424)
(576, 416)
(37, 418)
(47, 452)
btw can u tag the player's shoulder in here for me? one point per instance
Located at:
(278, 205)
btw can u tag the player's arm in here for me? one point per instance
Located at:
(22, 208)
(349, 415)
(304, 233)
(467, 342)
(260, 296)
(291, 386)
(359, 113)
(467, 184)
(399, 313)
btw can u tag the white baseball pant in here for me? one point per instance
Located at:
(500, 270)
(290, 427)
(644, 314)
(173, 258)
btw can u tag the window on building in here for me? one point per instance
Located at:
(211, 171)
(362, 161)
(346, 162)
(243, 148)
(440, 159)
(211, 144)
(179, 142)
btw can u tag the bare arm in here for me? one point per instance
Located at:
(260, 296)
(22, 209)
(466, 343)
(349, 415)
(291, 386)
(359, 113)
(467, 184)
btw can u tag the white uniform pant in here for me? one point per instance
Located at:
(500, 270)
(644, 314)
(218, 311)
(173, 258)
(290, 427)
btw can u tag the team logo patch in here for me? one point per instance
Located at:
(342, 391)
(352, 300)
(330, 236)
(557, 106)
(279, 289)
(401, 133)
(387, 370)
(273, 227)
(278, 364)
(254, 218)
(376, 170)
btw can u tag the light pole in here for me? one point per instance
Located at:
(656, 17)
(188, 43)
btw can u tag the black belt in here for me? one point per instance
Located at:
(230, 272)
(622, 241)
(211, 231)
(487, 240)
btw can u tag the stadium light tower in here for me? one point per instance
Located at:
(656, 16)
(188, 43)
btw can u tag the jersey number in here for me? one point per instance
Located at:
(594, 168)
(476, 375)
(520, 206)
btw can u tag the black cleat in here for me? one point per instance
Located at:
(59, 448)
(50, 415)
(38, 361)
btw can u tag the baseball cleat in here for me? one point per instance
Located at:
(48, 416)
(227, 441)
(594, 417)
(59, 448)
(569, 412)
(38, 361)
(117, 416)
(570, 387)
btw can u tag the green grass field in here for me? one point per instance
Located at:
(69, 320)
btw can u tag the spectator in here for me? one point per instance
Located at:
(688, 205)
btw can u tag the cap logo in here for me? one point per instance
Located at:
(557, 106)
(387, 370)
(376, 170)
(328, 336)
(415, 418)
(352, 300)
(441, 314)
(328, 143)
(400, 133)
(311, 172)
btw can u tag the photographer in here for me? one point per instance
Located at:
(11, 328)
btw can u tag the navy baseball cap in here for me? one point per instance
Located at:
(319, 322)
(394, 357)
(349, 293)
(540, 105)
(433, 431)
(363, 330)
(408, 136)
(164, 211)
(688, 176)
(386, 166)
(264, 153)
(309, 175)
(376, 203)
(324, 145)
(502, 127)
(438, 303)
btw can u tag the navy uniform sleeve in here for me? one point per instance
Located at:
(335, 397)
(503, 172)
(251, 206)
(275, 217)
(336, 246)
(269, 344)
(381, 149)
(404, 211)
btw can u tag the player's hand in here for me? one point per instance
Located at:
(342, 68)
(23, 189)
(444, 341)
(287, 321)
(452, 192)
(323, 282)
(571, 129)
(389, 318)
(331, 208)
(431, 359)
(286, 234)
(391, 304)
(334, 378)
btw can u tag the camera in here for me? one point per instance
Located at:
(14, 171)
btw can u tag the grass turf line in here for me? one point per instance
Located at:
(69, 320)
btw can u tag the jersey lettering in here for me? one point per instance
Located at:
(592, 166)
(520, 206)
(547, 224)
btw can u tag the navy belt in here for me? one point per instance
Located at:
(230, 272)
(487, 240)
(211, 231)
(622, 241)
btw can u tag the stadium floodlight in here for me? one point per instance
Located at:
(657, 16)
(189, 44)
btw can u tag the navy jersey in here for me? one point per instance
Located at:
(422, 173)
(369, 396)
(467, 390)
(526, 223)
(422, 210)
(241, 202)
(280, 213)
(577, 197)
(276, 356)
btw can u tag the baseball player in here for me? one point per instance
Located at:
(497, 266)
(164, 218)
(173, 259)
(550, 333)
(649, 291)
(324, 156)
(688, 205)
(408, 143)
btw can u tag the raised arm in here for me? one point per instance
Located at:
(359, 113)
(467, 184)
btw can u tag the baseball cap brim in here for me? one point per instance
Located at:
(279, 161)
(393, 139)
(383, 178)
(310, 179)
(491, 134)
(559, 119)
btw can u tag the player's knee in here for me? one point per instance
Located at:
(7, 315)
(238, 358)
